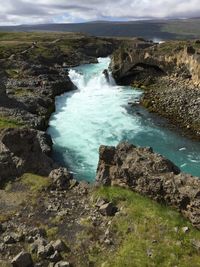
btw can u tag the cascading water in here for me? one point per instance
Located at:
(98, 113)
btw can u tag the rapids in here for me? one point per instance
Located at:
(98, 113)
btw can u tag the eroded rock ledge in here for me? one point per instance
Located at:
(169, 74)
(150, 174)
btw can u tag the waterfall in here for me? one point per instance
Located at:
(98, 113)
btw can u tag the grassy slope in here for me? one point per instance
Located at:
(14, 43)
(183, 27)
(144, 233)
(149, 234)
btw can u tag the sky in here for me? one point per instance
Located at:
(14, 12)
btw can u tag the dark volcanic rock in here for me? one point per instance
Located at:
(60, 178)
(108, 209)
(132, 60)
(24, 150)
(23, 259)
(30, 79)
(150, 174)
(177, 101)
(169, 74)
(31, 100)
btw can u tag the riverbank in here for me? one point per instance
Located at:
(103, 116)
(33, 72)
(169, 75)
(177, 100)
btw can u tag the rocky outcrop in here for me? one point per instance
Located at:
(152, 175)
(31, 76)
(61, 178)
(23, 259)
(130, 61)
(31, 100)
(190, 58)
(169, 74)
(24, 150)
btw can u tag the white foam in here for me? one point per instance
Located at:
(96, 114)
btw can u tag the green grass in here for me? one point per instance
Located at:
(4, 218)
(9, 48)
(52, 232)
(145, 226)
(9, 123)
(12, 73)
(183, 28)
(35, 182)
(16, 42)
(23, 92)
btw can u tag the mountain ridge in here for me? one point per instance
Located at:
(163, 28)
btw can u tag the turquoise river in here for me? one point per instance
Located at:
(100, 113)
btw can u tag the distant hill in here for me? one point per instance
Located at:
(151, 29)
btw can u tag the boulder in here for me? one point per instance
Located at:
(23, 259)
(150, 174)
(9, 239)
(59, 245)
(55, 257)
(61, 178)
(45, 251)
(108, 209)
(24, 150)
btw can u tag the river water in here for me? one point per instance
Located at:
(99, 113)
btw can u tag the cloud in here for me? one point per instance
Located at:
(49, 11)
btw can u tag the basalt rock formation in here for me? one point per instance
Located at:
(33, 75)
(151, 175)
(169, 74)
(24, 150)
(134, 58)
(33, 71)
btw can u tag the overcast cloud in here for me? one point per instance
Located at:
(64, 11)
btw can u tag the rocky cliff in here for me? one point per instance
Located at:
(33, 74)
(152, 175)
(169, 74)
(34, 70)
(138, 56)
(24, 151)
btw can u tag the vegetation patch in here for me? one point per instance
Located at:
(9, 123)
(149, 234)
(35, 182)
(23, 92)
(12, 73)
(5, 217)
(52, 232)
